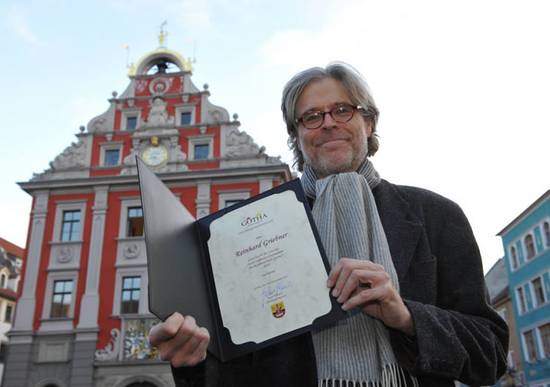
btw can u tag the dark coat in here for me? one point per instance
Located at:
(458, 336)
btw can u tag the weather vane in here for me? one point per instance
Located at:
(163, 34)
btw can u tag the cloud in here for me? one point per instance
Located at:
(18, 22)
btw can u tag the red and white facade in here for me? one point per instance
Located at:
(82, 314)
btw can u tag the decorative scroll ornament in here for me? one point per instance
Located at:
(131, 250)
(73, 156)
(240, 144)
(112, 349)
(65, 254)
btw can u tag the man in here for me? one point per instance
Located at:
(402, 256)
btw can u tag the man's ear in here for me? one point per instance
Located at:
(368, 127)
(298, 145)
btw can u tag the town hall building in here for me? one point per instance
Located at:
(82, 316)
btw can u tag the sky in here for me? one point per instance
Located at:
(462, 86)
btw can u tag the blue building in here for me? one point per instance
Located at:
(526, 243)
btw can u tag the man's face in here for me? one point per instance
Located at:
(334, 147)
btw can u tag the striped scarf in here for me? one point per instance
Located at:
(356, 351)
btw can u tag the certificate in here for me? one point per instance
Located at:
(253, 274)
(268, 272)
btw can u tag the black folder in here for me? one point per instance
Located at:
(180, 270)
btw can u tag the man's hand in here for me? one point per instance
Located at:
(364, 284)
(180, 341)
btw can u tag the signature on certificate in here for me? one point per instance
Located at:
(273, 290)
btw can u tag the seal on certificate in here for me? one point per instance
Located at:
(278, 309)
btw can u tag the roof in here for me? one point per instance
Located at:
(527, 211)
(497, 281)
(12, 249)
(8, 294)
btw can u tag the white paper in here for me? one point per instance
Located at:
(268, 271)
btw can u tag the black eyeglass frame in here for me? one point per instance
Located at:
(330, 112)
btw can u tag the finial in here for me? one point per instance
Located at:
(205, 86)
(82, 128)
(127, 48)
(163, 34)
(235, 116)
(114, 94)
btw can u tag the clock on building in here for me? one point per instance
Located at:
(155, 155)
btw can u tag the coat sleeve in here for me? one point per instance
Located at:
(457, 334)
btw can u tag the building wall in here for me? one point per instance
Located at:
(533, 312)
(96, 344)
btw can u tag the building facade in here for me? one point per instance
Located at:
(500, 299)
(11, 262)
(82, 317)
(526, 242)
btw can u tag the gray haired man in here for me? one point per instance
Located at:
(404, 257)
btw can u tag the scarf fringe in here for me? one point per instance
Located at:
(392, 376)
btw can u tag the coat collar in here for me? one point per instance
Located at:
(402, 227)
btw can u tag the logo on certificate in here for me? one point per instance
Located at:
(278, 309)
(252, 220)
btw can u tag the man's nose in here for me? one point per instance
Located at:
(328, 121)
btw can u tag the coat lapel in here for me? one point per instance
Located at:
(402, 227)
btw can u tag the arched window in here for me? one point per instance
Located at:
(529, 246)
(2, 280)
(514, 256)
(546, 228)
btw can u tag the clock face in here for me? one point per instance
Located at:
(155, 155)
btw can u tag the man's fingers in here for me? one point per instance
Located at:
(193, 351)
(342, 269)
(200, 352)
(166, 330)
(362, 278)
(355, 279)
(334, 273)
(364, 297)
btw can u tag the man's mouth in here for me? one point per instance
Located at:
(330, 141)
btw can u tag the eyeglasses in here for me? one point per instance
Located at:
(341, 113)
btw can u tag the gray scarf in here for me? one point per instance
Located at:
(357, 351)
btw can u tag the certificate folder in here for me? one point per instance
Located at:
(253, 274)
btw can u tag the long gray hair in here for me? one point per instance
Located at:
(356, 87)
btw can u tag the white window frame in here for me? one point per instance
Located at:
(4, 273)
(225, 196)
(143, 294)
(8, 304)
(524, 345)
(527, 259)
(123, 225)
(59, 276)
(545, 241)
(520, 298)
(200, 140)
(129, 113)
(539, 336)
(60, 207)
(512, 267)
(532, 290)
(110, 146)
(186, 108)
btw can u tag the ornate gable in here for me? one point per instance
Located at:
(163, 118)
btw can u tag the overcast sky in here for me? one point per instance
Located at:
(462, 86)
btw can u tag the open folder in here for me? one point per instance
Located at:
(253, 274)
